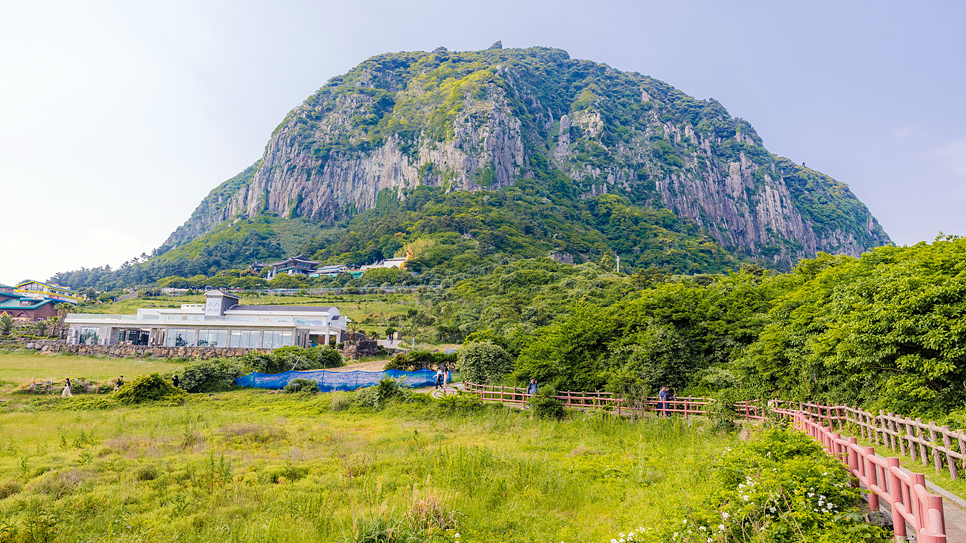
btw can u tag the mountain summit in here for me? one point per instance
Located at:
(484, 119)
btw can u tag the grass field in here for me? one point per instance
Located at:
(256, 466)
(19, 368)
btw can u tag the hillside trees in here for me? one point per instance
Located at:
(665, 335)
(886, 329)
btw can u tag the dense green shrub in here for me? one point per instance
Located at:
(379, 395)
(483, 362)
(782, 487)
(301, 385)
(293, 358)
(463, 403)
(420, 360)
(149, 388)
(546, 406)
(212, 375)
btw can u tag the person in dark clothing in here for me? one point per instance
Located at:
(175, 381)
(439, 379)
(663, 396)
(531, 391)
(120, 383)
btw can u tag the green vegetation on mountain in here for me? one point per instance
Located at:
(464, 233)
(485, 157)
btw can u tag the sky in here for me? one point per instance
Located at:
(118, 117)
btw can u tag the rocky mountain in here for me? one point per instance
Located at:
(486, 119)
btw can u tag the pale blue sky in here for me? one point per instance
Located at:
(116, 118)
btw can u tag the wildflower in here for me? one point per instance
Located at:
(721, 527)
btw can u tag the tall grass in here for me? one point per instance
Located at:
(254, 466)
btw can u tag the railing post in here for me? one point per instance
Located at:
(936, 457)
(895, 497)
(872, 477)
(933, 521)
(853, 458)
(948, 444)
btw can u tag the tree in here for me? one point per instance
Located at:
(6, 324)
(483, 362)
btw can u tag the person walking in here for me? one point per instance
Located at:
(175, 381)
(119, 384)
(66, 393)
(439, 379)
(663, 403)
(531, 391)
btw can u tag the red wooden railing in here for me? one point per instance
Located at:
(686, 405)
(905, 492)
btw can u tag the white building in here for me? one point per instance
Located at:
(387, 263)
(220, 322)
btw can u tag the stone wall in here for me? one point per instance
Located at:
(140, 351)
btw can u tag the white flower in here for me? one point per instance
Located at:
(721, 527)
(725, 515)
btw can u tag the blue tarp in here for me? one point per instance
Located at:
(337, 380)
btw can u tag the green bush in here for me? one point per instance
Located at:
(378, 396)
(483, 362)
(293, 358)
(783, 487)
(9, 488)
(301, 385)
(546, 406)
(463, 403)
(149, 388)
(212, 375)
(419, 360)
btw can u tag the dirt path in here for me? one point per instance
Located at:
(372, 365)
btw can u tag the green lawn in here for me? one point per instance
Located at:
(19, 368)
(255, 466)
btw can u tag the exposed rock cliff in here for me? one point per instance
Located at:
(472, 120)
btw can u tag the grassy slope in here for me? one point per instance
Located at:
(254, 466)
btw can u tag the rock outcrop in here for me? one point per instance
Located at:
(483, 120)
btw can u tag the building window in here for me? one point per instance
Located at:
(88, 336)
(212, 338)
(276, 339)
(180, 337)
(246, 339)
